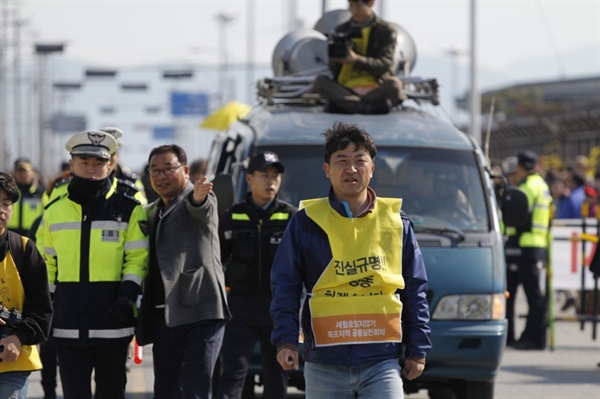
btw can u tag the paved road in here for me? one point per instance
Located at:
(569, 372)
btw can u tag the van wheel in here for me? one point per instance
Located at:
(442, 393)
(478, 390)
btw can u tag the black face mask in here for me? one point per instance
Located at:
(82, 190)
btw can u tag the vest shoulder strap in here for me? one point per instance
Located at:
(16, 247)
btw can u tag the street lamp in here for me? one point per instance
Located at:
(43, 51)
(223, 20)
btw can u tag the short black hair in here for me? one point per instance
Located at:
(174, 148)
(342, 134)
(359, 1)
(9, 184)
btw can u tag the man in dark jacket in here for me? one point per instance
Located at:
(363, 80)
(24, 288)
(184, 304)
(356, 257)
(250, 232)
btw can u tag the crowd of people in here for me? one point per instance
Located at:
(567, 193)
(98, 255)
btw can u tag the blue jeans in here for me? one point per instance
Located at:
(371, 380)
(185, 358)
(13, 384)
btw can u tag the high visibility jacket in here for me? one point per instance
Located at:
(534, 233)
(27, 209)
(249, 238)
(90, 251)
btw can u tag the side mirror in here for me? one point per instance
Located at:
(223, 189)
(515, 208)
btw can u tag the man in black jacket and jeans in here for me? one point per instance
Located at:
(250, 232)
(363, 81)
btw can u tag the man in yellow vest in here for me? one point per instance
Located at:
(526, 251)
(356, 257)
(363, 77)
(25, 306)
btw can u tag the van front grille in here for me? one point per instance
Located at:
(470, 343)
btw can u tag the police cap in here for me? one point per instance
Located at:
(263, 160)
(527, 159)
(93, 143)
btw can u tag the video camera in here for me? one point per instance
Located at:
(338, 42)
(12, 318)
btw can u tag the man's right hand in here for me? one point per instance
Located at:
(288, 359)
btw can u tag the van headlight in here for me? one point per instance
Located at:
(471, 307)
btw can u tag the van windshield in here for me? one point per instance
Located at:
(440, 189)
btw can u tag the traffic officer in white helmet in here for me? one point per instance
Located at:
(100, 236)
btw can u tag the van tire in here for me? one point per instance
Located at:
(478, 390)
(442, 393)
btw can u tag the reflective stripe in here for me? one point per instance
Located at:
(118, 333)
(240, 216)
(74, 334)
(109, 224)
(228, 234)
(63, 333)
(132, 277)
(50, 251)
(513, 251)
(280, 216)
(52, 288)
(65, 226)
(137, 244)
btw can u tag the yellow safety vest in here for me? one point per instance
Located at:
(12, 295)
(540, 203)
(350, 76)
(26, 210)
(354, 301)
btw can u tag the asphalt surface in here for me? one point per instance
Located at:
(570, 371)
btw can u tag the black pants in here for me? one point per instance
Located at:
(251, 322)
(106, 360)
(49, 369)
(529, 274)
(350, 102)
(185, 358)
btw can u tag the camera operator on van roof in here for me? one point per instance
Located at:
(363, 79)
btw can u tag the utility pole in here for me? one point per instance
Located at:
(475, 97)
(17, 87)
(4, 150)
(223, 20)
(250, 51)
(43, 52)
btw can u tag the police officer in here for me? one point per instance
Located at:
(100, 237)
(250, 232)
(526, 252)
(29, 206)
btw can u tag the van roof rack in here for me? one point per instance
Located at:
(295, 90)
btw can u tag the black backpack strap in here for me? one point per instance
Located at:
(16, 247)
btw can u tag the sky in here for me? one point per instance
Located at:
(126, 33)
(518, 41)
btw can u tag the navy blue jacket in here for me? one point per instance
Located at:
(301, 258)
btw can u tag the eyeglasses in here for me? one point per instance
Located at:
(155, 172)
(6, 206)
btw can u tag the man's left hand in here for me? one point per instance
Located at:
(202, 188)
(413, 368)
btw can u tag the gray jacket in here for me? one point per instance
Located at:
(186, 245)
